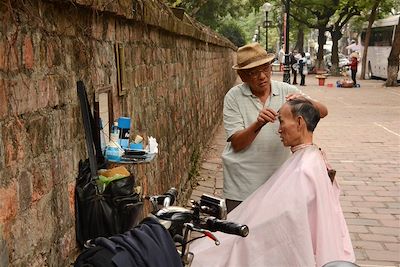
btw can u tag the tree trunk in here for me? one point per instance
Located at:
(367, 37)
(393, 59)
(336, 35)
(300, 40)
(319, 65)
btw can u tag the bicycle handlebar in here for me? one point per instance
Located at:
(170, 197)
(214, 224)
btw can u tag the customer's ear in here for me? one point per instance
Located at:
(301, 123)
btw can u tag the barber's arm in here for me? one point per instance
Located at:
(243, 138)
(323, 110)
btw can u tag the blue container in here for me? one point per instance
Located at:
(124, 125)
(124, 122)
(112, 154)
(136, 146)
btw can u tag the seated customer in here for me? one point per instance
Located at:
(295, 218)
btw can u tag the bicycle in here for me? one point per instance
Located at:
(204, 217)
(183, 226)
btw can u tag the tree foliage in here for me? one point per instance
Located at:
(211, 12)
(237, 19)
(233, 32)
(245, 14)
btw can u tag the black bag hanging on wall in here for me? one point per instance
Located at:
(112, 211)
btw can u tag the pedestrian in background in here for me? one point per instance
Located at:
(253, 150)
(294, 57)
(303, 68)
(353, 67)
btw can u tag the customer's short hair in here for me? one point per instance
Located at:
(306, 109)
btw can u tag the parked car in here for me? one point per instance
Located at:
(343, 60)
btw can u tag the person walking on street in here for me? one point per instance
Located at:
(303, 68)
(253, 151)
(353, 67)
(294, 57)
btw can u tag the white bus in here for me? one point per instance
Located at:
(380, 45)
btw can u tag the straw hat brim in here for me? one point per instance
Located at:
(255, 63)
(354, 54)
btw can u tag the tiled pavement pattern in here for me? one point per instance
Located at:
(361, 137)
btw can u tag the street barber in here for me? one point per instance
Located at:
(253, 151)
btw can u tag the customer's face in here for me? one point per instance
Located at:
(258, 78)
(289, 127)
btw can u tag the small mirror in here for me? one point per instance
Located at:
(103, 112)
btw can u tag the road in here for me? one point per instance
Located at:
(361, 137)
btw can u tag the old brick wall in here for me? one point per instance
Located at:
(176, 74)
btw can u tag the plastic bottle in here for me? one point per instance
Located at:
(114, 151)
(114, 136)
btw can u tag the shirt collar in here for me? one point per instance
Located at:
(247, 92)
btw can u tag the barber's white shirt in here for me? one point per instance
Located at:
(248, 169)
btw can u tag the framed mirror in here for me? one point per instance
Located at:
(103, 112)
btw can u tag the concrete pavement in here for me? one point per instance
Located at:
(361, 137)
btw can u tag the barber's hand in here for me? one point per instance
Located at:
(295, 96)
(267, 115)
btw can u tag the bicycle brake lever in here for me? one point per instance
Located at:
(206, 233)
(212, 236)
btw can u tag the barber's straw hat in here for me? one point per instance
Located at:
(252, 55)
(354, 54)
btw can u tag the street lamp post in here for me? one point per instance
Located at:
(266, 7)
(256, 37)
(286, 68)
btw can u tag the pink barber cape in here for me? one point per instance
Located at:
(295, 219)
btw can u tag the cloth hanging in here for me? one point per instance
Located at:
(295, 219)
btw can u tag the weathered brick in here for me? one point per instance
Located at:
(382, 255)
(384, 230)
(3, 99)
(28, 53)
(8, 201)
(390, 223)
(71, 197)
(42, 181)
(367, 245)
(3, 250)
(39, 132)
(370, 204)
(22, 95)
(379, 217)
(24, 190)
(2, 54)
(357, 228)
(393, 246)
(41, 128)
(14, 149)
(375, 237)
(11, 56)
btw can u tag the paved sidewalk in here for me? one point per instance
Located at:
(361, 137)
